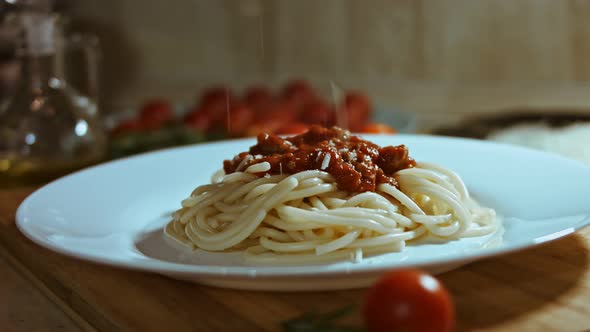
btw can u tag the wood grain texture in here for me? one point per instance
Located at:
(24, 308)
(173, 50)
(541, 289)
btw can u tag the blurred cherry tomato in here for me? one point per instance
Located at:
(318, 112)
(355, 118)
(259, 98)
(270, 126)
(216, 102)
(294, 128)
(217, 95)
(299, 93)
(377, 128)
(357, 99)
(155, 113)
(408, 300)
(199, 119)
(239, 119)
(282, 110)
(216, 114)
(357, 109)
(127, 127)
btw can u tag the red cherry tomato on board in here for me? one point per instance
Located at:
(408, 300)
(377, 128)
(155, 113)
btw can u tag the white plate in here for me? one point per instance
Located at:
(113, 213)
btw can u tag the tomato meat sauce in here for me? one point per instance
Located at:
(357, 165)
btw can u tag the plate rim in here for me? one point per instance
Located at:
(155, 265)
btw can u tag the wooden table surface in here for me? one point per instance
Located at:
(546, 288)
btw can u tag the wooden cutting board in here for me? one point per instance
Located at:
(541, 289)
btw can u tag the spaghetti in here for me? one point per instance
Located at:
(274, 215)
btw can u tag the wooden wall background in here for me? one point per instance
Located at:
(430, 56)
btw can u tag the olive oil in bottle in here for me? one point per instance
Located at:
(47, 129)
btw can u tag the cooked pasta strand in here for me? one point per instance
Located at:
(304, 218)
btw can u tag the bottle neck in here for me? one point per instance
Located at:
(38, 49)
(38, 71)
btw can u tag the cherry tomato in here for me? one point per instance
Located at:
(282, 110)
(216, 101)
(127, 127)
(259, 98)
(199, 119)
(318, 112)
(357, 109)
(217, 95)
(298, 92)
(215, 113)
(357, 99)
(155, 113)
(408, 300)
(294, 128)
(239, 119)
(271, 126)
(377, 128)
